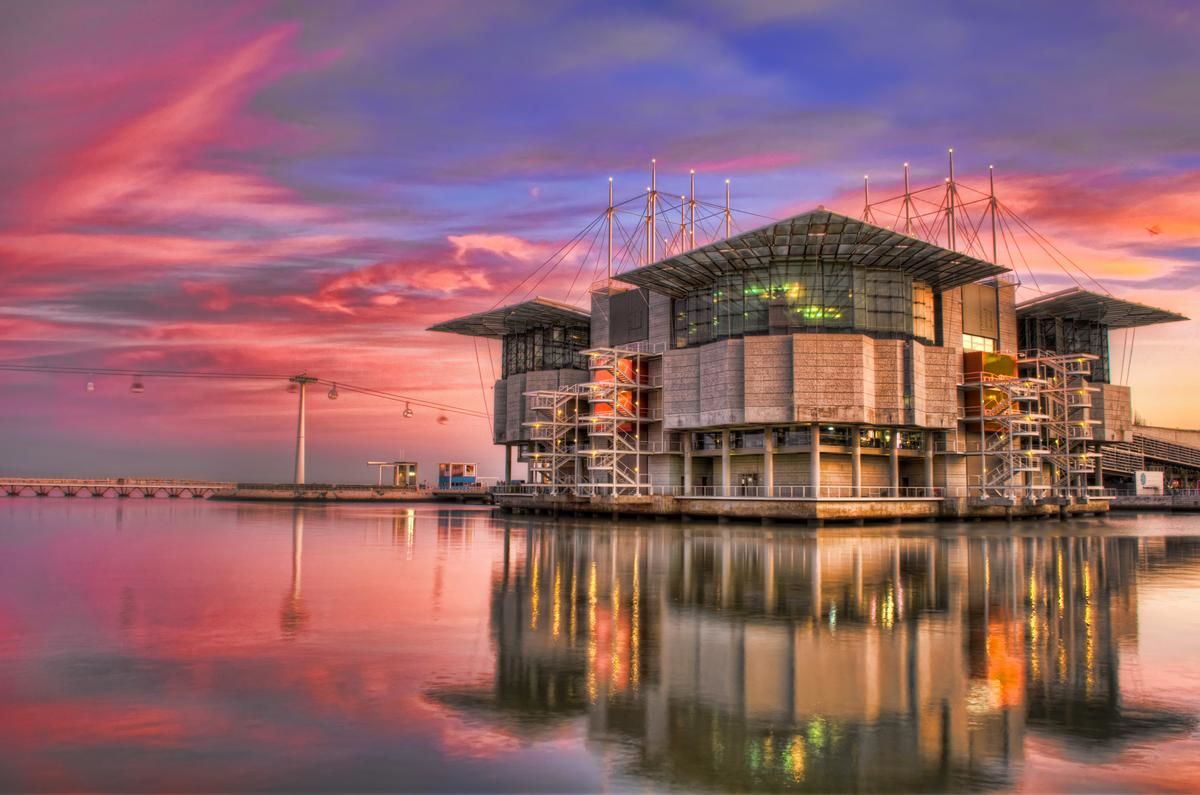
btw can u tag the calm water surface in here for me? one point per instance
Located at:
(190, 646)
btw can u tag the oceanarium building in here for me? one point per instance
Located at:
(819, 367)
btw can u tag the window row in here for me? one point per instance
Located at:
(801, 436)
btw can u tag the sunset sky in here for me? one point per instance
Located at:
(277, 187)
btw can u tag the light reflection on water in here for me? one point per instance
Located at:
(164, 645)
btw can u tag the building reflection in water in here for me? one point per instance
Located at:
(817, 663)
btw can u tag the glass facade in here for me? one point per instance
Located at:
(1067, 335)
(548, 348)
(790, 297)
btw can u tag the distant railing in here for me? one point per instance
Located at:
(733, 492)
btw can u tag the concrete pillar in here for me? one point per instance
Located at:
(855, 461)
(894, 463)
(769, 460)
(508, 463)
(726, 479)
(814, 459)
(687, 461)
(928, 445)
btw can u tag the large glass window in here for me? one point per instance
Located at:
(792, 437)
(746, 440)
(549, 348)
(835, 435)
(972, 342)
(792, 297)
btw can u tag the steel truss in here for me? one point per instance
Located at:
(591, 438)
(1008, 422)
(554, 457)
(1066, 400)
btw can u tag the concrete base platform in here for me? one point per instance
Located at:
(327, 492)
(856, 511)
(1166, 503)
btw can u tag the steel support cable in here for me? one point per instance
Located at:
(1004, 235)
(974, 235)
(398, 398)
(583, 261)
(626, 254)
(1050, 254)
(341, 385)
(558, 258)
(550, 259)
(482, 389)
(115, 371)
(912, 194)
(1025, 260)
(1038, 236)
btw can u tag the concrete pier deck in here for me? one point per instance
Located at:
(809, 511)
(332, 492)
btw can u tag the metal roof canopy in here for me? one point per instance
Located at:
(815, 235)
(516, 318)
(1081, 304)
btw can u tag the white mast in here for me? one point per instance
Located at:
(907, 204)
(692, 213)
(610, 230)
(992, 193)
(653, 251)
(950, 203)
(728, 215)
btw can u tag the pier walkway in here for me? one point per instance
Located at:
(111, 487)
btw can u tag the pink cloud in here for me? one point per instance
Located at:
(501, 245)
(145, 155)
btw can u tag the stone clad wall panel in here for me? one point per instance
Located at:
(889, 382)
(681, 388)
(768, 379)
(722, 383)
(939, 379)
(828, 378)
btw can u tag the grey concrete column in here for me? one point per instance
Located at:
(725, 475)
(687, 461)
(508, 463)
(928, 443)
(894, 463)
(769, 460)
(855, 461)
(814, 459)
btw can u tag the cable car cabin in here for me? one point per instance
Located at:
(456, 476)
